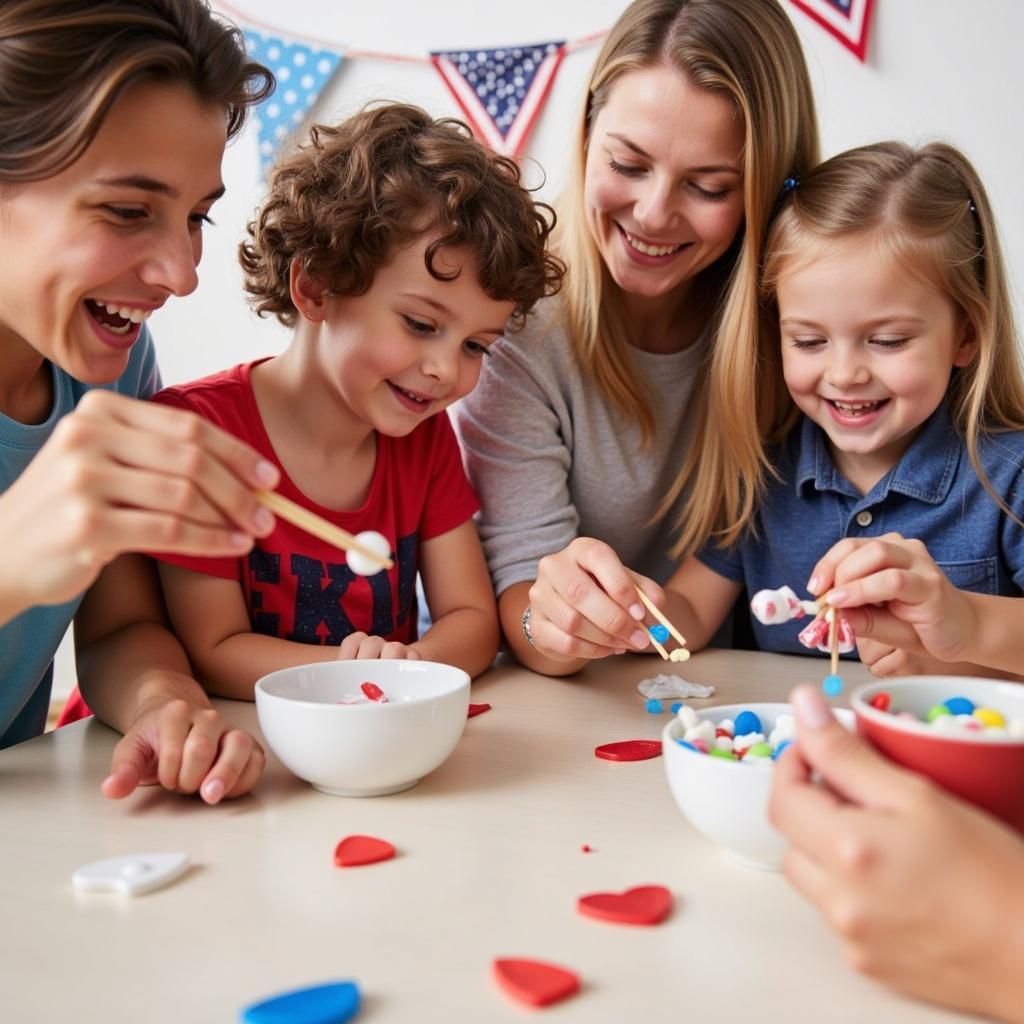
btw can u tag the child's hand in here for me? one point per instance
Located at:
(584, 603)
(186, 749)
(360, 646)
(892, 592)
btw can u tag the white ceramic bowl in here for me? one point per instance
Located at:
(363, 749)
(727, 801)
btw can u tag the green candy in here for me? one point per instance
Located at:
(937, 712)
(760, 750)
(718, 752)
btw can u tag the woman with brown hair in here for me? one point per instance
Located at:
(114, 115)
(600, 437)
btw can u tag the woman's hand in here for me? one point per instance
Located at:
(892, 592)
(926, 892)
(122, 475)
(361, 646)
(584, 603)
(186, 749)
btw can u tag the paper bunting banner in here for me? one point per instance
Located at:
(501, 91)
(302, 71)
(847, 20)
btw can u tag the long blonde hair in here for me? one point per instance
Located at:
(928, 208)
(748, 51)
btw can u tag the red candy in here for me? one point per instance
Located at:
(723, 732)
(881, 701)
(374, 692)
(477, 709)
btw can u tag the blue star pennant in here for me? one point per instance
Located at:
(302, 71)
(501, 91)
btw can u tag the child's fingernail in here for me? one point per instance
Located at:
(811, 710)
(638, 638)
(836, 597)
(637, 612)
(620, 650)
(213, 790)
(812, 584)
(267, 473)
(262, 519)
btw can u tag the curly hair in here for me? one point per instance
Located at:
(343, 204)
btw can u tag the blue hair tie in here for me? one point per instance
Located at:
(789, 184)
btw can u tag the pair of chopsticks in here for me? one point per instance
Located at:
(824, 610)
(318, 527)
(681, 653)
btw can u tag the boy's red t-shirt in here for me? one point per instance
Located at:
(296, 586)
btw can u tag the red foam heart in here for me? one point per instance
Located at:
(629, 750)
(355, 850)
(534, 982)
(646, 904)
(477, 709)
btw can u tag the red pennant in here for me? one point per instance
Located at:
(848, 20)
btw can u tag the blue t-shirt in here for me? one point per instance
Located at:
(932, 494)
(29, 641)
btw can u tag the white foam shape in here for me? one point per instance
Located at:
(679, 654)
(688, 717)
(378, 544)
(132, 874)
(772, 607)
(662, 687)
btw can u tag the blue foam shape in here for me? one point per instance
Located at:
(832, 685)
(674, 708)
(780, 748)
(653, 707)
(333, 1003)
(659, 632)
(688, 745)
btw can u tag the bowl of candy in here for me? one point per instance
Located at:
(966, 735)
(719, 764)
(363, 728)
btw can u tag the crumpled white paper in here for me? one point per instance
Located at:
(665, 686)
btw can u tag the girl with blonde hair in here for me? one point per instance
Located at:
(897, 479)
(695, 113)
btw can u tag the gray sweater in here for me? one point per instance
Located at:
(551, 460)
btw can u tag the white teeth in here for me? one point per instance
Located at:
(651, 250)
(136, 316)
(855, 406)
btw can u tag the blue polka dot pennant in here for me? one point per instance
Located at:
(302, 71)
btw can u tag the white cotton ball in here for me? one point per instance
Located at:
(772, 607)
(378, 544)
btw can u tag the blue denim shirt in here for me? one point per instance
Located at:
(932, 494)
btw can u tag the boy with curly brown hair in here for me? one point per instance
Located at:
(398, 248)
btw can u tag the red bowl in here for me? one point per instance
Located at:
(985, 770)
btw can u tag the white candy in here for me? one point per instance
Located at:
(747, 740)
(378, 544)
(663, 687)
(728, 725)
(724, 743)
(688, 716)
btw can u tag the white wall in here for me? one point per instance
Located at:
(937, 69)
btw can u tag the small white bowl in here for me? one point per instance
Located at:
(727, 801)
(365, 749)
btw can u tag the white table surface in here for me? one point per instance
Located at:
(490, 864)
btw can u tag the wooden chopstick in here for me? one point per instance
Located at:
(658, 647)
(318, 526)
(833, 642)
(656, 612)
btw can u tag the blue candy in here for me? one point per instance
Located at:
(688, 745)
(746, 722)
(832, 685)
(674, 708)
(780, 748)
(320, 1004)
(959, 706)
(660, 633)
(653, 707)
